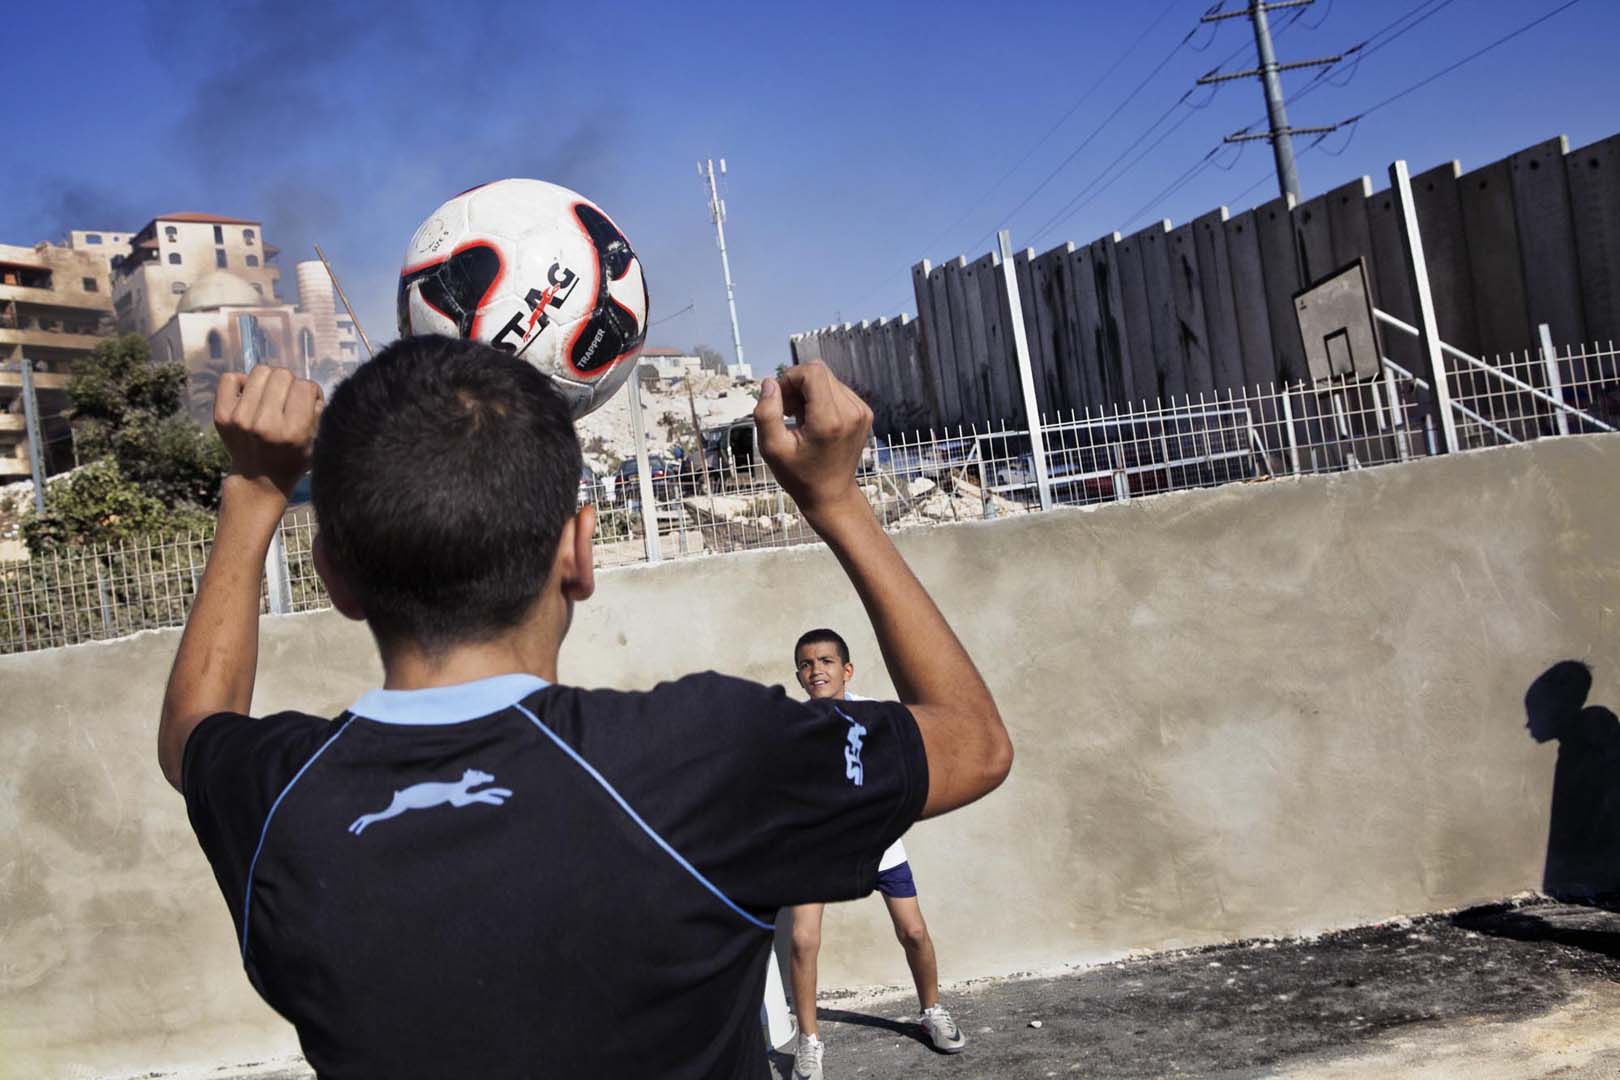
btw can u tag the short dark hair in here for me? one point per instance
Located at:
(813, 637)
(443, 473)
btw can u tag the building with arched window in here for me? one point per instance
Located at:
(171, 252)
(221, 324)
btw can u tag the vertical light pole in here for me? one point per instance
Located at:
(717, 212)
(36, 443)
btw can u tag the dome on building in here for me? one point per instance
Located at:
(219, 289)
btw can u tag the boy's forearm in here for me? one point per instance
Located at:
(219, 650)
(927, 663)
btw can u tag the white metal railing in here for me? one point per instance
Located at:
(966, 473)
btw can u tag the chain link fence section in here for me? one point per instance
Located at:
(913, 481)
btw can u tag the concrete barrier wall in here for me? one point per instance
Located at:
(1207, 307)
(1259, 709)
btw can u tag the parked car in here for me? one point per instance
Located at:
(628, 480)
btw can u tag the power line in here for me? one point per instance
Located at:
(1383, 36)
(1449, 68)
(1160, 66)
(978, 202)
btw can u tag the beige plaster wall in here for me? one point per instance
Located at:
(1255, 710)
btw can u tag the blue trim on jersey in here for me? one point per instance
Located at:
(247, 885)
(447, 704)
(659, 840)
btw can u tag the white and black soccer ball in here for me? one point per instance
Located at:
(534, 269)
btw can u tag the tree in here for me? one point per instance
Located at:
(153, 470)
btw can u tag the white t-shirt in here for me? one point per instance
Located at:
(896, 853)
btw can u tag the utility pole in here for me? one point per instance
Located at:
(1281, 135)
(717, 213)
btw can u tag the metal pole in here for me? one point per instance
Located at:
(1288, 427)
(1026, 374)
(1282, 144)
(36, 444)
(649, 505)
(278, 584)
(1555, 382)
(717, 211)
(1400, 182)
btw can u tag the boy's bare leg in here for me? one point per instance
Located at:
(909, 927)
(806, 947)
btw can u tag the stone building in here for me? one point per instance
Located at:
(170, 252)
(222, 324)
(55, 306)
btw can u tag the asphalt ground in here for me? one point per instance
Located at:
(1510, 990)
(1514, 990)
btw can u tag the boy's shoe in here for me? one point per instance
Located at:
(942, 1031)
(807, 1058)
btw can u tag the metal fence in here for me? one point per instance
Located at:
(963, 474)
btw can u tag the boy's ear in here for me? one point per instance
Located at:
(576, 569)
(343, 597)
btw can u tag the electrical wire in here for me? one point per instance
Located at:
(1449, 68)
(1092, 89)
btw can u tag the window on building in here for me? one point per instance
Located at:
(90, 285)
(92, 238)
(219, 258)
(174, 258)
(177, 287)
(216, 346)
(258, 288)
(247, 236)
(306, 342)
(171, 233)
(252, 260)
(168, 351)
(219, 235)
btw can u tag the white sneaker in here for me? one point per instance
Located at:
(807, 1058)
(942, 1031)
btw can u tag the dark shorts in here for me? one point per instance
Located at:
(897, 881)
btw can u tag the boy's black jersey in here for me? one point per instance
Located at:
(510, 879)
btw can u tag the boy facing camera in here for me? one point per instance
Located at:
(477, 869)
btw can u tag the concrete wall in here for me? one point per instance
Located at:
(1252, 710)
(1208, 307)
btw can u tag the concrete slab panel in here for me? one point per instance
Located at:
(1541, 206)
(1220, 311)
(1154, 248)
(1496, 262)
(1115, 342)
(1446, 243)
(1259, 356)
(1138, 325)
(1594, 191)
(1280, 258)
(1191, 330)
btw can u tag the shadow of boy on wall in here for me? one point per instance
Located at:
(1583, 837)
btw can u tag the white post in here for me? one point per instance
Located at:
(1555, 382)
(649, 504)
(1026, 375)
(1288, 428)
(1418, 267)
(278, 583)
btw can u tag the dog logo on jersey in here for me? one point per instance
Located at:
(426, 796)
(853, 769)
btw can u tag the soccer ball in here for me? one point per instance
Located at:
(534, 269)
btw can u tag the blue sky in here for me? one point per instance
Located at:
(859, 137)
